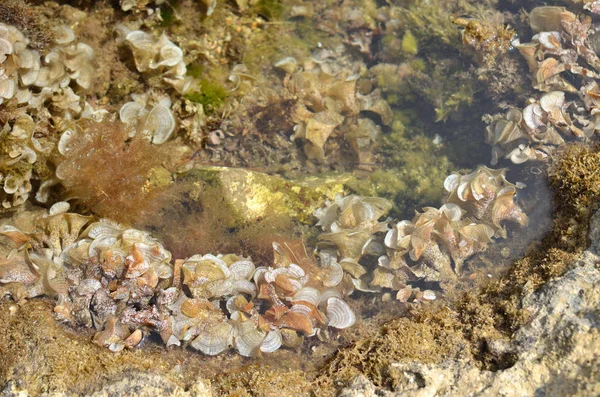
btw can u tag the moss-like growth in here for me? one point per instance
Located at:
(577, 179)
(428, 338)
(410, 45)
(28, 20)
(269, 9)
(208, 93)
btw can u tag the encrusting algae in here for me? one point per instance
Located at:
(151, 232)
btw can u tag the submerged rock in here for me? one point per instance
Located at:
(253, 195)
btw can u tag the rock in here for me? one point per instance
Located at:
(131, 384)
(558, 351)
(254, 194)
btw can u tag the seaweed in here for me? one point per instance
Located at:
(210, 94)
(27, 19)
(110, 173)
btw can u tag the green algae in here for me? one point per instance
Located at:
(210, 94)
(410, 45)
(270, 9)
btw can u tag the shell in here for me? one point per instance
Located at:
(353, 268)
(552, 100)
(59, 208)
(339, 314)
(249, 339)
(546, 19)
(63, 34)
(307, 294)
(130, 112)
(8, 88)
(160, 124)
(242, 270)
(289, 64)
(272, 342)
(195, 307)
(215, 340)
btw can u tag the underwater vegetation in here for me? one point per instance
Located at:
(225, 191)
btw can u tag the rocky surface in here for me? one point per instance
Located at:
(130, 384)
(558, 351)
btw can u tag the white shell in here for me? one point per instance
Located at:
(452, 211)
(243, 286)
(242, 270)
(6, 47)
(11, 184)
(330, 293)
(451, 182)
(160, 124)
(64, 140)
(287, 64)
(130, 112)
(272, 342)
(249, 339)
(549, 39)
(8, 88)
(532, 116)
(339, 314)
(214, 341)
(307, 294)
(63, 34)
(211, 5)
(59, 208)
(170, 54)
(100, 230)
(552, 100)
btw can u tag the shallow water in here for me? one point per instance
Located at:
(409, 53)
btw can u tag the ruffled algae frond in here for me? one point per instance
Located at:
(273, 198)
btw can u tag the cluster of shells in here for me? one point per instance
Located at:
(35, 90)
(156, 56)
(328, 98)
(123, 283)
(431, 247)
(563, 60)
